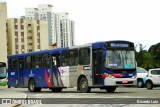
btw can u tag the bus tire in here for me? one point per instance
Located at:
(83, 85)
(56, 89)
(32, 85)
(111, 89)
(8, 85)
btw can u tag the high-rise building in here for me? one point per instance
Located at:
(60, 28)
(3, 34)
(64, 31)
(26, 35)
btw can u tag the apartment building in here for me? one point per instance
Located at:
(26, 35)
(43, 12)
(3, 34)
(64, 31)
(60, 28)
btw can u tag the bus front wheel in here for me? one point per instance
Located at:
(111, 89)
(83, 84)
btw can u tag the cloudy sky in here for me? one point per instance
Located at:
(101, 20)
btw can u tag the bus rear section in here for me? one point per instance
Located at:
(35, 70)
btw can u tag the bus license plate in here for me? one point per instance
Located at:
(124, 81)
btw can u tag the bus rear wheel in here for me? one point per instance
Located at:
(56, 89)
(83, 84)
(111, 89)
(32, 86)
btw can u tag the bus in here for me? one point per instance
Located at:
(105, 65)
(3, 74)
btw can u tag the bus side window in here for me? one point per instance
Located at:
(13, 63)
(73, 57)
(28, 62)
(45, 60)
(84, 56)
(36, 61)
(64, 58)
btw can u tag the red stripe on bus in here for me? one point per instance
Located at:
(47, 78)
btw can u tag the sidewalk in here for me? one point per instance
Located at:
(6, 99)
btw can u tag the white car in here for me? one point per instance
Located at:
(153, 78)
(141, 75)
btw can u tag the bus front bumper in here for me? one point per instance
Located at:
(119, 81)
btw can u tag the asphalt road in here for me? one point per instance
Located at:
(124, 95)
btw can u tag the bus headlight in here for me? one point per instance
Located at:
(133, 77)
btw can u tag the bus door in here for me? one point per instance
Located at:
(55, 70)
(97, 67)
(20, 81)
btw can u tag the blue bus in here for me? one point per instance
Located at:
(105, 65)
(3, 74)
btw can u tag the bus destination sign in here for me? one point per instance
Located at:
(119, 45)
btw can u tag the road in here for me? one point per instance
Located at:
(121, 92)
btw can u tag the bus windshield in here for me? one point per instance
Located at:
(120, 59)
(3, 72)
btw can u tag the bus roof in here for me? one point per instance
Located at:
(55, 51)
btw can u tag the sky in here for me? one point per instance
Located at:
(102, 20)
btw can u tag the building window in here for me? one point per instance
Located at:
(22, 33)
(16, 26)
(22, 27)
(16, 40)
(29, 31)
(15, 20)
(29, 24)
(22, 20)
(16, 33)
(29, 43)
